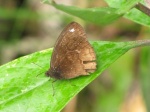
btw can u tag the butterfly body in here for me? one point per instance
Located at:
(73, 55)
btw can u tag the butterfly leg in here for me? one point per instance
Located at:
(53, 85)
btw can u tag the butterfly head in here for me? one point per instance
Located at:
(54, 74)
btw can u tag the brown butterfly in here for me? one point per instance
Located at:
(73, 55)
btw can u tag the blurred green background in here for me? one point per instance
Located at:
(27, 26)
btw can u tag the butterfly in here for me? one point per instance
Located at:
(72, 55)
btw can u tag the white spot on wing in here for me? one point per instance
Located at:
(72, 30)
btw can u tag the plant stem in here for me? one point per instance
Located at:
(140, 43)
(143, 8)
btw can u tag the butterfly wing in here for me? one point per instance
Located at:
(73, 55)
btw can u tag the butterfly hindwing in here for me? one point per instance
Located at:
(72, 55)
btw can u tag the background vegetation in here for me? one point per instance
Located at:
(27, 26)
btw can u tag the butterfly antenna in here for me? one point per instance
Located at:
(39, 67)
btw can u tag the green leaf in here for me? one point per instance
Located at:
(24, 86)
(102, 15)
(138, 17)
(133, 14)
(127, 5)
(122, 4)
(97, 15)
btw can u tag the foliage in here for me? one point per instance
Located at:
(28, 89)
(23, 85)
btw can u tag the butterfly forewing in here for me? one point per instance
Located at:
(72, 55)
